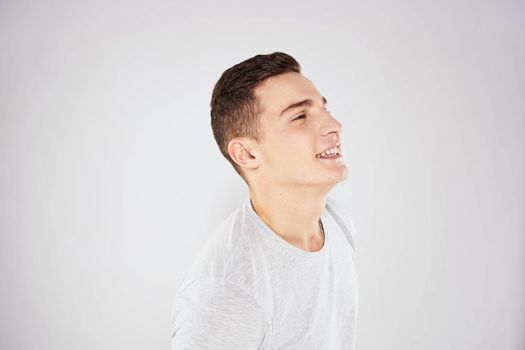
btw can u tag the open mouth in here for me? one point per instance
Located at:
(331, 153)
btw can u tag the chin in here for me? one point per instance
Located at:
(334, 179)
(342, 176)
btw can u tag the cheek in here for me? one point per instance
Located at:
(292, 154)
(292, 147)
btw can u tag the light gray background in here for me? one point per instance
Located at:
(111, 180)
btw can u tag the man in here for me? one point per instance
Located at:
(278, 273)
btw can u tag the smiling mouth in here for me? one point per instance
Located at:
(335, 156)
(331, 153)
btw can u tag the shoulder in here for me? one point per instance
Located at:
(343, 218)
(225, 254)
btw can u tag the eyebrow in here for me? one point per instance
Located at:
(308, 102)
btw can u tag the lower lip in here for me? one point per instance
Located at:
(337, 156)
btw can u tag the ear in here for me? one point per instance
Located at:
(243, 153)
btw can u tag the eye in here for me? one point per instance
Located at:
(302, 116)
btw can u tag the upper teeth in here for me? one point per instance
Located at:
(331, 151)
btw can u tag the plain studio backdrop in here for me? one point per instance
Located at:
(110, 178)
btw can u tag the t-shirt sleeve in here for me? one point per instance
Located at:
(212, 314)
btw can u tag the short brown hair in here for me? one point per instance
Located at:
(235, 110)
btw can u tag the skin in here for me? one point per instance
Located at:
(288, 184)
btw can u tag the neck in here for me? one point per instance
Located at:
(292, 214)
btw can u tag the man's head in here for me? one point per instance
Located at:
(263, 135)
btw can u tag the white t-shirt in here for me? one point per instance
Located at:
(248, 288)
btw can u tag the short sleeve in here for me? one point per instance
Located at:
(212, 314)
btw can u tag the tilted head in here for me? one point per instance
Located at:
(271, 124)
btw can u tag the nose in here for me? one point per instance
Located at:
(330, 125)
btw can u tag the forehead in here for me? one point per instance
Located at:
(279, 91)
